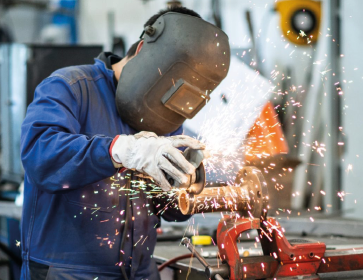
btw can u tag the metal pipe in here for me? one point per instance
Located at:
(229, 198)
(248, 196)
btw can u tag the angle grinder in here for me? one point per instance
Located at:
(196, 181)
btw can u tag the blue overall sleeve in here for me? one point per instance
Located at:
(55, 156)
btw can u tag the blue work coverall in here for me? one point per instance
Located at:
(74, 199)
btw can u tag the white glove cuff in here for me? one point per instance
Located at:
(120, 149)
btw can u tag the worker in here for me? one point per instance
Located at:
(93, 132)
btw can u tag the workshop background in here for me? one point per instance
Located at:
(294, 110)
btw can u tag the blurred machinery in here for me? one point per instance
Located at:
(266, 148)
(5, 36)
(41, 21)
(23, 67)
(174, 3)
(307, 100)
(38, 3)
(265, 137)
(300, 20)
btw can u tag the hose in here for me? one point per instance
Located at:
(174, 260)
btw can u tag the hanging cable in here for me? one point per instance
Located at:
(174, 260)
(124, 234)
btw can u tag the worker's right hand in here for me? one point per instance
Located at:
(151, 155)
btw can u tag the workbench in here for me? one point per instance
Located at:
(335, 233)
(165, 251)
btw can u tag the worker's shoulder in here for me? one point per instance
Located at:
(73, 74)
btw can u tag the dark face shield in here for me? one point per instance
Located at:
(183, 59)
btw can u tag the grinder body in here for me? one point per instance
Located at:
(196, 181)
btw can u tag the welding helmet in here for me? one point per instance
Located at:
(183, 59)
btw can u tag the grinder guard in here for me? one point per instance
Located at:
(180, 64)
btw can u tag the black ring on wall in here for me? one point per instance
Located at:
(309, 13)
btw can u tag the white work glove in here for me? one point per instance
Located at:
(151, 155)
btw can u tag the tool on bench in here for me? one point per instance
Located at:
(281, 259)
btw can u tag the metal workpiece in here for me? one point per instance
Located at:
(217, 199)
(248, 196)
